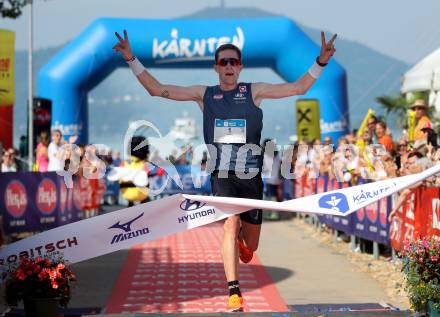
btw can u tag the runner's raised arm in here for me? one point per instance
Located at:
(151, 84)
(262, 91)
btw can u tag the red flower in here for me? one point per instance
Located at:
(434, 258)
(20, 275)
(60, 266)
(425, 244)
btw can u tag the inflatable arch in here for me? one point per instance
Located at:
(182, 43)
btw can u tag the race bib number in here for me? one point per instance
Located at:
(230, 131)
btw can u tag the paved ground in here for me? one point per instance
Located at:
(317, 274)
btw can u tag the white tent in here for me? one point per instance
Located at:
(425, 76)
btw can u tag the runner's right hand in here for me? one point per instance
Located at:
(123, 46)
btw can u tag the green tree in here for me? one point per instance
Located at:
(399, 105)
(395, 105)
(12, 8)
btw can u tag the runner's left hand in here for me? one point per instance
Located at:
(327, 49)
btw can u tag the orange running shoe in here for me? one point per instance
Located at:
(246, 254)
(235, 304)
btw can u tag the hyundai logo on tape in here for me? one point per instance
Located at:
(192, 208)
(128, 233)
(335, 201)
(189, 205)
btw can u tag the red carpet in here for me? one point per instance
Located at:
(184, 273)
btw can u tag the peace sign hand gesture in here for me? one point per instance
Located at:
(123, 46)
(327, 49)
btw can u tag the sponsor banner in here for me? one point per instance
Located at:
(419, 216)
(6, 126)
(308, 119)
(7, 50)
(432, 211)
(41, 201)
(120, 229)
(370, 222)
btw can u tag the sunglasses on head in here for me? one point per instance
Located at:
(231, 61)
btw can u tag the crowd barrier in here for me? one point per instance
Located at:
(419, 216)
(41, 201)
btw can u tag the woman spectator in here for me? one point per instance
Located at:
(402, 152)
(42, 156)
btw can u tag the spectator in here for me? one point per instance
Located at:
(421, 108)
(382, 137)
(402, 152)
(8, 164)
(271, 173)
(429, 135)
(416, 163)
(117, 159)
(204, 161)
(56, 162)
(42, 156)
(371, 127)
(23, 146)
(328, 140)
(56, 156)
(19, 163)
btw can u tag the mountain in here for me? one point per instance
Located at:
(120, 99)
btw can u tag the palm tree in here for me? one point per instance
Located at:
(395, 105)
(12, 8)
(399, 105)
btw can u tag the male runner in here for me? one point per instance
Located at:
(232, 124)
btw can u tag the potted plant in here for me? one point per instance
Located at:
(421, 266)
(43, 284)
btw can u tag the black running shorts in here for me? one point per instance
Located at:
(233, 186)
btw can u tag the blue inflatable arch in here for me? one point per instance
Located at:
(265, 42)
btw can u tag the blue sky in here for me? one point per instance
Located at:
(405, 29)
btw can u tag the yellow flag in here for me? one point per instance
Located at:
(411, 125)
(308, 120)
(7, 91)
(360, 142)
(364, 123)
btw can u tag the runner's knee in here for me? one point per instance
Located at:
(232, 224)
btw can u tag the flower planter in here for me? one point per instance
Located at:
(433, 312)
(41, 307)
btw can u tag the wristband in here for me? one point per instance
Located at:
(315, 70)
(136, 66)
(319, 63)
